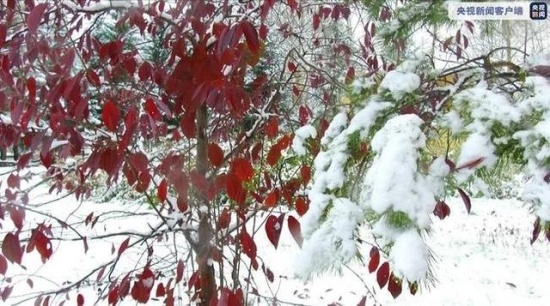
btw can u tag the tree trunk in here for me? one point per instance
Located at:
(206, 269)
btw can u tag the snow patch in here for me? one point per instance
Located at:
(365, 118)
(393, 181)
(336, 126)
(400, 83)
(333, 243)
(409, 255)
(300, 137)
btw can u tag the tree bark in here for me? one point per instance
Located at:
(206, 269)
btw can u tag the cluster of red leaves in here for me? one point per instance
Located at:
(385, 276)
(205, 68)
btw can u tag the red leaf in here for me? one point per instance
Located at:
(100, 274)
(291, 67)
(350, 75)
(452, 166)
(152, 109)
(187, 124)
(89, 218)
(284, 142)
(273, 227)
(383, 274)
(162, 190)
(363, 301)
(110, 115)
(465, 199)
(161, 291)
(17, 216)
(113, 296)
(93, 78)
(304, 114)
(442, 210)
(295, 230)
(35, 16)
(3, 265)
(123, 246)
(263, 31)
(242, 169)
(3, 35)
(272, 199)
(394, 286)
(224, 219)
(305, 172)
(471, 164)
(295, 91)
(274, 155)
(13, 181)
(251, 36)
(80, 300)
(139, 161)
(235, 190)
(16, 111)
(43, 244)
(301, 205)
(292, 4)
(269, 275)
(11, 248)
(179, 271)
(144, 71)
(536, 230)
(248, 244)
(140, 292)
(316, 21)
(272, 127)
(215, 155)
(374, 259)
(7, 291)
(143, 182)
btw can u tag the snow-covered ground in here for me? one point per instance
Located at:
(484, 258)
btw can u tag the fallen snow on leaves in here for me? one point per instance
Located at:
(332, 244)
(409, 254)
(300, 136)
(400, 83)
(392, 181)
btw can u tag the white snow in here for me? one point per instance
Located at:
(409, 256)
(364, 119)
(437, 172)
(453, 121)
(476, 146)
(392, 181)
(300, 136)
(333, 243)
(148, 282)
(400, 83)
(362, 83)
(336, 126)
(485, 104)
